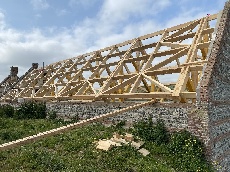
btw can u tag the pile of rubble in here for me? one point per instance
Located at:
(119, 140)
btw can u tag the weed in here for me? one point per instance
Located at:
(187, 152)
(6, 111)
(74, 151)
(148, 131)
(52, 115)
(120, 124)
(31, 110)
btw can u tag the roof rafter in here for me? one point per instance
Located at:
(135, 69)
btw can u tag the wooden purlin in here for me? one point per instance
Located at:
(129, 69)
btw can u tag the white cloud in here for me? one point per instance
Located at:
(22, 49)
(130, 31)
(188, 15)
(84, 3)
(39, 4)
(107, 28)
(38, 16)
(61, 12)
(110, 26)
(2, 20)
(120, 10)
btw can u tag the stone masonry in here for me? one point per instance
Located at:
(209, 119)
(214, 93)
(177, 116)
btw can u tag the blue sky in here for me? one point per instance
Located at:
(53, 30)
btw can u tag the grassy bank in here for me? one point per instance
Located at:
(75, 150)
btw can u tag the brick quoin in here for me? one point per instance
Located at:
(214, 91)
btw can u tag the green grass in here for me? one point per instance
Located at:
(12, 129)
(75, 150)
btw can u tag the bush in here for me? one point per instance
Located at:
(148, 131)
(6, 111)
(10, 135)
(161, 134)
(184, 151)
(144, 130)
(31, 110)
(120, 124)
(52, 115)
(187, 152)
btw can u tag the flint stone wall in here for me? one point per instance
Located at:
(209, 119)
(214, 93)
(176, 116)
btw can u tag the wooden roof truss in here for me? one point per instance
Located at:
(129, 70)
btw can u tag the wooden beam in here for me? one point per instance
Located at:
(169, 60)
(139, 95)
(194, 63)
(190, 85)
(164, 70)
(197, 39)
(180, 38)
(174, 45)
(164, 88)
(204, 44)
(182, 81)
(190, 26)
(152, 56)
(111, 90)
(188, 95)
(136, 84)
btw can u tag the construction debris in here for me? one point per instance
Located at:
(137, 145)
(107, 144)
(118, 140)
(128, 137)
(144, 152)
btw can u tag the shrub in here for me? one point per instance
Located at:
(52, 115)
(161, 134)
(31, 110)
(10, 134)
(187, 152)
(150, 132)
(6, 111)
(144, 130)
(120, 124)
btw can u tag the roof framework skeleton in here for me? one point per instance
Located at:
(129, 70)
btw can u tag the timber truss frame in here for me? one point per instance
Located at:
(129, 70)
